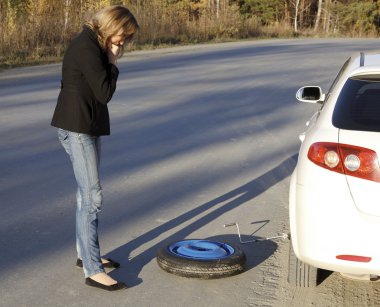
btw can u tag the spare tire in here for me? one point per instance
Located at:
(202, 259)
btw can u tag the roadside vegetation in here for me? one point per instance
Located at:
(38, 31)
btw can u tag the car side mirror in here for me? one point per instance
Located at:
(310, 94)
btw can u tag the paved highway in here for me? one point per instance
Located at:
(201, 136)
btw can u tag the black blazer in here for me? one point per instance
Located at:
(88, 83)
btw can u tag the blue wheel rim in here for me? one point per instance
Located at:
(201, 249)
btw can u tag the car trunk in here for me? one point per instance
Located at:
(365, 193)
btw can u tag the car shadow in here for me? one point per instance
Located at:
(322, 275)
(132, 265)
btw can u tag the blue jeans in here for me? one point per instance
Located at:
(84, 151)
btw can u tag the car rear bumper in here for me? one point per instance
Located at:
(326, 226)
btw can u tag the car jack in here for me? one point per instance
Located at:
(283, 236)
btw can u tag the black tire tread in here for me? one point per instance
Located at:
(202, 269)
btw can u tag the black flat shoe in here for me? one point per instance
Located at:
(118, 286)
(111, 264)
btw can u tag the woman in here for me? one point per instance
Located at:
(89, 76)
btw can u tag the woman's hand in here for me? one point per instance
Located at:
(113, 53)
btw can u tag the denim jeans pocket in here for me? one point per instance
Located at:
(63, 135)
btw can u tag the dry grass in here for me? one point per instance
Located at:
(40, 33)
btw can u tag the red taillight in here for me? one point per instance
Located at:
(346, 159)
(354, 258)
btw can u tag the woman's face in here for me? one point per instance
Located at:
(118, 40)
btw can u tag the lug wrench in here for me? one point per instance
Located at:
(283, 236)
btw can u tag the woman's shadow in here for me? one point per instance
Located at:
(130, 268)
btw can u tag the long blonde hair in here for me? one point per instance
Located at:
(111, 21)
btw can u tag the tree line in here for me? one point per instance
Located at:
(35, 30)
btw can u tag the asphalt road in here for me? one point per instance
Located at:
(201, 136)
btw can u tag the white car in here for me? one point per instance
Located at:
(334, 199)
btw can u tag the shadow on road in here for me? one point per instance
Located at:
(231, 200)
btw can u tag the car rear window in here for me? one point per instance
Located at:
(358, 105)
